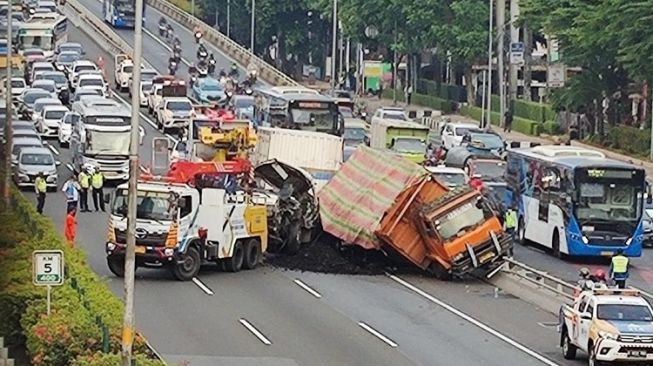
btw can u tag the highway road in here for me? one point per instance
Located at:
(313, 319)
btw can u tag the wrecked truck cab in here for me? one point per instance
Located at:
(293, 208)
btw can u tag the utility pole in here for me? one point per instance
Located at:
(501, 26)
(9, 130)
(488, 112)
(251, 41)
(334, 46)
(651, 148)
(228, 18)
(395, 66)
(130, 255)
(192, 7)
(514, 38)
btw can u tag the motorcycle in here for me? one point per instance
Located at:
(202, 70)
(172, 67)
(211, 67)
(193, 79)
(177, 56)
(162, 30)
(198, 37)
(202, 54)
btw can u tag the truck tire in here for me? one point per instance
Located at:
(235, 263)
(568, 349)
(116, 266)
(591, 360)
(252, 254)
(439, 272)
(190, 266)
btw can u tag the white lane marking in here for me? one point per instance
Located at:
(202, 286)
(308, 289)
(55, 151)
(378, 335)
(165, 45)
(255, 331)
(473, 321)
(70, 167)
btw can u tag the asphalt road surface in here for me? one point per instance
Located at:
(274, 317)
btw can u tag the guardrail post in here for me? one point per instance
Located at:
(105, 339)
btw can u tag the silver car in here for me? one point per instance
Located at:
(31, 162)
(20, 143)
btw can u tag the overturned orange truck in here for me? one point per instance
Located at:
(382, 201)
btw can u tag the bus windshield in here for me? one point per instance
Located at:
(608, 201)
(149, 205)
(107, 142)
(44, 42)
(320, 118)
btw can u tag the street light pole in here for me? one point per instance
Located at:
(228, 18)
(333, 45)
(9, 133)
(489, 71)
(251, 41)
(192, 7)
(130, 255)
(395, 66)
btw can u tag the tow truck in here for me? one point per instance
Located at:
(180, 227)
(124, 69)
(611, 325)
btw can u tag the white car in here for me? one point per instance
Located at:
(146, 77)
(18, 85)
(452, 177)
(39, 104)
(123, 73)
(92, 81)
(41, 66)
(173, 112)
(79, 66)
(389, 113)
(146, 87)
(48, 85)
(50, 120)
(66, 127)
(154, 97)
(452, 134)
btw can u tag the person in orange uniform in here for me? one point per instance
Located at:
(70, 228)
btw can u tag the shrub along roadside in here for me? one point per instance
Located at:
(519, 124)
(74, 328)
(422, 100)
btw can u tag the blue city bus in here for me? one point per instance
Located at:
(576, 202)
(121, 13)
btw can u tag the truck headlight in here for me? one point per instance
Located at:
(608, 335)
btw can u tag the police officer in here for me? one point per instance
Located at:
(84, 180)
(510, 221)
(40, 187)
(97, 182)
(619, 269)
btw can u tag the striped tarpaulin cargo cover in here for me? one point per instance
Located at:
(353, 202)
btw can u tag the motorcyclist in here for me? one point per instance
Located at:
(176, 43)
(169, 32)
(202, 67)
(197, 33)
(585, 279)
(599, 278)
(233, 72)
(172, 64)
(192, 71)
(211, 64)
(201, 51)
(252, 72)
(162, 26)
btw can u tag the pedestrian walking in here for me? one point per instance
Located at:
(507, 127)
(84, 180)
(409, 93)
(70, 228)
(71, 189)
(619, 269)
(97, 183)
(40, 187)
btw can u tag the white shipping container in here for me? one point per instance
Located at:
(318, 153)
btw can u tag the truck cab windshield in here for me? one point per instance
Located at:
(112, 143)
(149, 205)
(623, 312)
(409, 145)
(461, 219)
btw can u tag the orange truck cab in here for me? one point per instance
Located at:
(448, 233)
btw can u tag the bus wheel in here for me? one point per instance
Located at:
(521, 232)
(555, 244)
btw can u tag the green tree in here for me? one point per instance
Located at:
(462, 31)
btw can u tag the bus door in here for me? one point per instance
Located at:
(550, 182)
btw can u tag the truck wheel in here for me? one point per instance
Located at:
(252, 254)
(592, 361)
(235, 263)
(116, 266)
(568, 349)
(190, 266)
(439, 272)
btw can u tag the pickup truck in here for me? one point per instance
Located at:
(124, 69)
(610, 325)
(173, 112)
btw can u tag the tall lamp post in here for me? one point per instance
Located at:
(130, 255)
(251, 41)
(228, 18)
(8, 128)
(333, 45)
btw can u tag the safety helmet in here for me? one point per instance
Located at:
(584, 272)
(234, 66)
(599, 274)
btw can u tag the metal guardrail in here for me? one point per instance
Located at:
(540, 278)
(235, 51)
